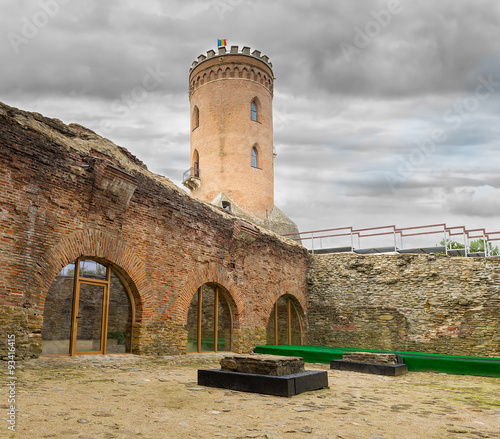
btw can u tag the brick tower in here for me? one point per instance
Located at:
(232, 159)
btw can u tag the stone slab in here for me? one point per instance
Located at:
(371, 357)
(377, 369)
(287, 385)
(262, 364)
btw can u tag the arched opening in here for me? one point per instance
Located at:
(254, 111)
(89, 309)
(195, 121)
(196, 164)
(254, 159)
(284, 326)
(210, 321)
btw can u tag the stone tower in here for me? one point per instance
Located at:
(232, 157)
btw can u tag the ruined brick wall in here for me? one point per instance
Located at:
(422, 303)
(65, 192)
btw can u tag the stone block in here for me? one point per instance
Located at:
(370, 357)
(377, 369)
(273, 365)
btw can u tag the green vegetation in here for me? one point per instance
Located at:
(476, 246)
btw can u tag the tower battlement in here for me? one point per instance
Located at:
(233, 64)
(234, 50)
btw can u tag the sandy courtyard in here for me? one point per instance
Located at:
(126, 396)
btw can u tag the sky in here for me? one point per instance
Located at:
(385, 112)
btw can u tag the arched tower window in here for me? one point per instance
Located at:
(195, 123)
(196, 164)
(254, 158)
(253, 111)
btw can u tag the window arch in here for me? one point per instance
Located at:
(195, 122)
(284, 324)
(196, 164)
(89, 309)
(254, 158)
(209, 321)
(254, 111)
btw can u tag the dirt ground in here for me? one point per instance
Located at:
(126, 396)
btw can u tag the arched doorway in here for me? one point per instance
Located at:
(284, 325)
(88, 310)
(209, 321)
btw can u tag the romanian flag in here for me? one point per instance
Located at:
(221, 43)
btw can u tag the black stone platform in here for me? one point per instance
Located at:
(286, 385)
(378, 369)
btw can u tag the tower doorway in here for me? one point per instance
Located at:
(88, 310)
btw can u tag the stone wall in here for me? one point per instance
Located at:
(66, 192)
(422, 303)
(26, 325)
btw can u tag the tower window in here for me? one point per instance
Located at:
(226, 205)
(195, 123)
(196, 165)
(255, 158)
(253, 111)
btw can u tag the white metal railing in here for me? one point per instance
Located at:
(351, 239)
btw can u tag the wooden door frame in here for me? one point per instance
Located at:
(76, 302)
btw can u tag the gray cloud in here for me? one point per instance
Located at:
(341, 125)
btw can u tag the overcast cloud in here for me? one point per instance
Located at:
(375, 124)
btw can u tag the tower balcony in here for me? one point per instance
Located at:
(191, 178)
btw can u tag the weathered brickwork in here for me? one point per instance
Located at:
(422, 303)
(65, 193)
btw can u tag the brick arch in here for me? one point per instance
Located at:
(89, 243)
(209, 273)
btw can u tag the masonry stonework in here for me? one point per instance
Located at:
(422, 303)
(66, 192)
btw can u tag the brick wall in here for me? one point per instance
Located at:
(423, 303)
(66, 192)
